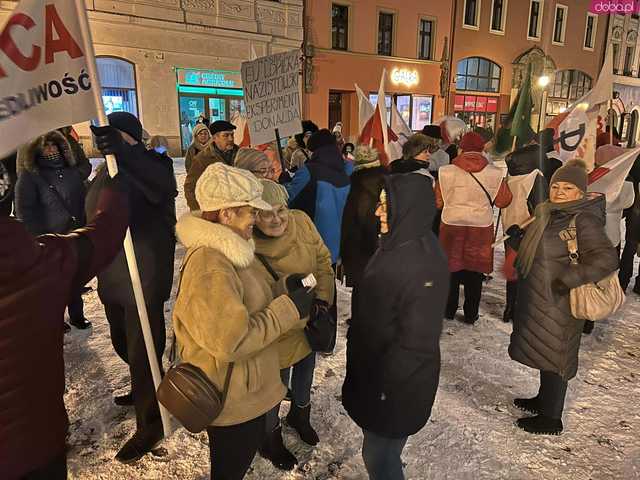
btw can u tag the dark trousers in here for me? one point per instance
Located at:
(472, 282)
(551, 394)
(301, 375)
(512, 295)
(382, 456)
(76, 306)
(626, 262)
(232, 448)
(56, 469)
(128, 341)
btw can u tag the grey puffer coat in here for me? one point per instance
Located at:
(545, 334)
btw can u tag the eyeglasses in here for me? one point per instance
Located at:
(270, 215)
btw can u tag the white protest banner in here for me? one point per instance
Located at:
(44, 79)
(272, 96)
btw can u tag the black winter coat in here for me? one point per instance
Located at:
(359, 238)
(545, 334)
(50, 197)
(7, 183)
(407, 165)
(393, 343)
(152, 223)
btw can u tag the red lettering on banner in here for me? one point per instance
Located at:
(8, 46)
(64, 43)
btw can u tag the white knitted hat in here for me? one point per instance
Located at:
(221, 186)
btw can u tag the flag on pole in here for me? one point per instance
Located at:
(401, 130)
(365, 109)
(609, 178)
(521, 120)
(376, 132)
(44, 78)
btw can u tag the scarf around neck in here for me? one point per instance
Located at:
(534, 232)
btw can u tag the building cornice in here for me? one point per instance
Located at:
(413, 61)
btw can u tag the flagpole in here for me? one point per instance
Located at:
(129, 251)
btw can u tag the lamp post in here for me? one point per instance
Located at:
(543, 81)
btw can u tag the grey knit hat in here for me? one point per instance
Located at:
(273, 193)
(416, 144)
(251, 159)
(574, 171)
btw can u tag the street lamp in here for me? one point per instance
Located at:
(543, 81)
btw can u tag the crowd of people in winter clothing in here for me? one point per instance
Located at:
(406, 235)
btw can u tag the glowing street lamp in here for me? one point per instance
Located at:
(543, 81)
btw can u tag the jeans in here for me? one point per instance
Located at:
(233, 448)
(551, 394)
(472, 282)
(301, 379)
(381, 456)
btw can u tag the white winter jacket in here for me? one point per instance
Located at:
(614, 211)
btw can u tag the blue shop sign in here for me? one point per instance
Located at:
(209, 78)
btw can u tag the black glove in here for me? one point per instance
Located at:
(303, 300)
(294, 282)
(515, 237)
(559, 288)
(108, 140)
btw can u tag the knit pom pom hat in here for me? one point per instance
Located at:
(574, 171)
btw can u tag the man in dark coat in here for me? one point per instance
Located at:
(393, 349)
(37, 278)
(632, 233)
(152, 199)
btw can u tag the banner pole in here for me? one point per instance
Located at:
(280, 154)
(129, 251)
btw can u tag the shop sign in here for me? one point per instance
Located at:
(475, 103)
(405, 77)
(209, 78)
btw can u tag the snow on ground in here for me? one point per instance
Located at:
(471, 433)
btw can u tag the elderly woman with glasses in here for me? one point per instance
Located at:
(255, 161)
(288, 242)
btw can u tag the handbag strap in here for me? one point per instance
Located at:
(269, 268)
(570, 236)
(486, 192)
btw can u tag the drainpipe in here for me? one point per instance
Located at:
(452, 36)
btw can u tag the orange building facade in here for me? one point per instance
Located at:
(352, 42)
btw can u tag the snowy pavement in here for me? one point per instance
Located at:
(471, 433)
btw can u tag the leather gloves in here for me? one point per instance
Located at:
(303, 300)
(108, 140)
(515, 236)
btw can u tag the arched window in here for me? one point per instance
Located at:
(118, 83)
(478, 75)
(570, 85)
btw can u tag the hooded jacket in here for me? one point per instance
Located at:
(210, 155)
(545, 334)
(393, 350)
(320, 189)
(37, 279)
(195, 147)
(226, 312)
(50, 197)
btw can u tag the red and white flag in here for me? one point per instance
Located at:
(609, 178)
(375, 131)
(241, 137)
(44, 78)
(401, 130)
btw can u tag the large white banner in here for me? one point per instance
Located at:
(44, 80)
(272, 96)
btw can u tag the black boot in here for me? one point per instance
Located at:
(588, 327)
(125, 400)
(509, 309)
(273, 449)
(80, 323)
(141, 443)
(531, 405)
(298, 418)
(541, 425)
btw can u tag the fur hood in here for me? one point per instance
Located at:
(29, 154)
(193, 231)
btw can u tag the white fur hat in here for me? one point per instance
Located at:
(221, 186)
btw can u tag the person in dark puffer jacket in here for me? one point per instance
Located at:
(393, 350)
(50, 196)
(545, 334)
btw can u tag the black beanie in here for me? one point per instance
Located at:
(127, 123)
(432, 131)
(321, 138)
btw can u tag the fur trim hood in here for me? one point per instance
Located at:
(193, 231)
(29, 155)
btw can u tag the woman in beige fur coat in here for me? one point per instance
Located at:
(226, 315)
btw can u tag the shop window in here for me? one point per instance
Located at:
(535, 19)
(403, 103)
(476, 110)
(373, 98)
(421, 112)
(478, 74)
(426, 39)
(560, 24)
(628, 60)
(472, 13)
(339, 27)
(590, 31)
(570, 85)
(385, 34)
(118, 84)
(498, 15)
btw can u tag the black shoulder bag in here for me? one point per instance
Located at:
(321, 329)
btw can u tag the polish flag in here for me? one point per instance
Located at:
(609, 178)
(402, 131)
(241, 136)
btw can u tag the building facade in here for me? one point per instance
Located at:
(352, 42)
(495, 40)
(171, 61)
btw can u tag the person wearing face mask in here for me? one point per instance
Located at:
(229, 315)
(288, 241)
(254, 161)
(153, 218)
(50, 195)
(545, 335)
(221, 148)
(393, 343)
(201, 138)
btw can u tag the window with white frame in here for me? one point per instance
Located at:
(498, 15)
(590, 31)
(560, 24)
(425, 41)
(471, 14)
(535, 19)
(385, 33)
